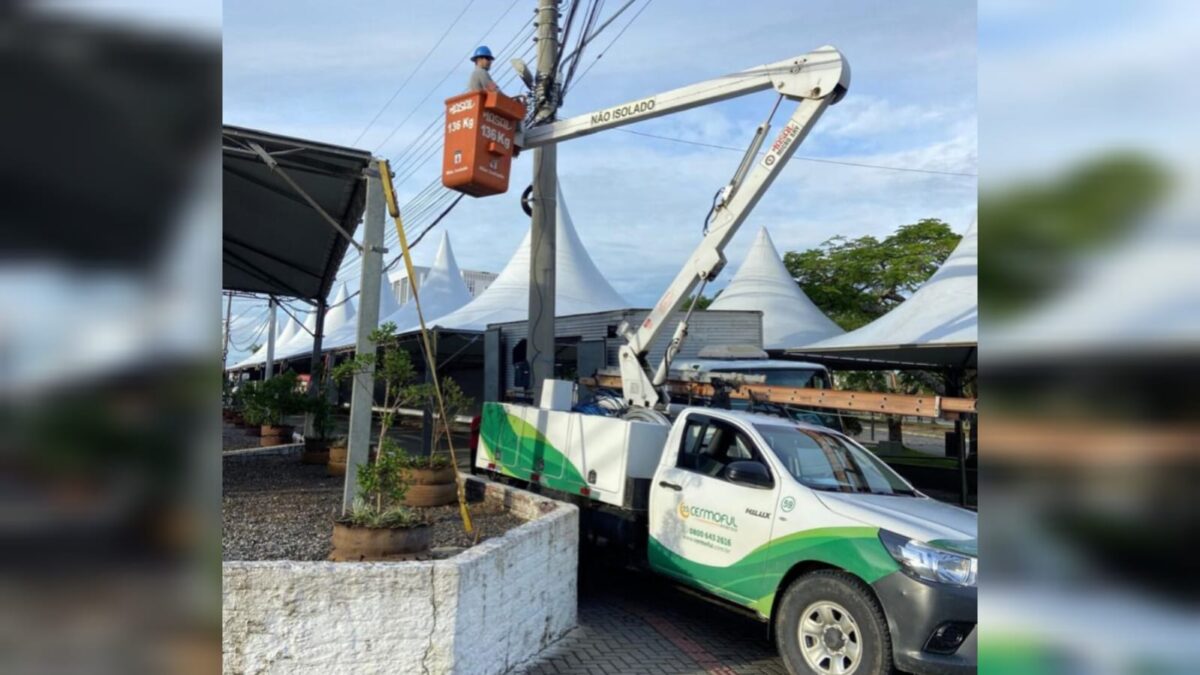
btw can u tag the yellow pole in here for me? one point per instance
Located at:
(389, 195)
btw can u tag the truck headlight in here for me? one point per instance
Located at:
(931, 564)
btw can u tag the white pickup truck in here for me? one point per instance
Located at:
(854, 570)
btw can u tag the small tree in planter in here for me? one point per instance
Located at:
(279, 399)
(316, 448)
(379, 527)
(434, 479)
(393, 369)
(250, 407)
(338, 452)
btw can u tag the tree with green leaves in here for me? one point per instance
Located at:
(393, 368)
(855, 281)
(1035, 231)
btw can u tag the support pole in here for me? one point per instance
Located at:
(270, 340)
(545, 212)
(427, 415)
(362, 395)
(315, 370)
(954, 387)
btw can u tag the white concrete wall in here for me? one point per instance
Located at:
(482, 611)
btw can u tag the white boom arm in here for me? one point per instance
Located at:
(817, 79)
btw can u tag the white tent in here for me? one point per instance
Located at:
(441, 292)
(1144, 298)
(762, 283)
(579, 285)
(938, 325)
(285, 332)
(341, 313)
(347, 334)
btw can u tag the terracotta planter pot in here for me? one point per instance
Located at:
(275, 435)
(316, 451)
(431, 487)
(352, 543)
(336, 465)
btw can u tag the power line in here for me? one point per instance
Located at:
(414, 72)
(414, 162)
(614, 40)
(822, 160)
(444, 78)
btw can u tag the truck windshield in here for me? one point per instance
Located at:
(824, 461)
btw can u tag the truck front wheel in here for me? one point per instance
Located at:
(829, 623)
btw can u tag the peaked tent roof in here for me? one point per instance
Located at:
(937, 326)
(442, 291)
(347, 335)
(580, 288)
(762, 283)
(285, 331)
(341, 313)
(1116, 306)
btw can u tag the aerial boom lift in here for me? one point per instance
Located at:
(816, 80)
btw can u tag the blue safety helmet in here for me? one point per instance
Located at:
(482, 53)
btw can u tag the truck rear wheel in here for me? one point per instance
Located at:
(829, 623)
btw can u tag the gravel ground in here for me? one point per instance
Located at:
(276, 508)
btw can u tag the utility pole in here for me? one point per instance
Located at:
(545, 212)
(362, 392)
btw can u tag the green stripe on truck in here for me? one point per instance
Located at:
(501, 432)
(753, 580)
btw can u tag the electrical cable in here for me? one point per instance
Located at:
(414, 72)
(822, 160)
(444, 78)
(614, 40)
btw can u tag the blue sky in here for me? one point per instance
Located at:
(323, 70)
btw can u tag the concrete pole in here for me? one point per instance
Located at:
(270, 340)
(427, 415)
(362, 392)
(315, 370)
(545, 213)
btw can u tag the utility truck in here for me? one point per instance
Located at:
(853, 570)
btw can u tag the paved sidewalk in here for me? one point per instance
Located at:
(633, 623)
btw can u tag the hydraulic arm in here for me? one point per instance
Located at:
(815, 80)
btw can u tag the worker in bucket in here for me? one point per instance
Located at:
(481, 79)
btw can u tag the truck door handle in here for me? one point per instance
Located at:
(677, 488)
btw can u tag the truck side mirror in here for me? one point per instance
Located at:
(749, 474)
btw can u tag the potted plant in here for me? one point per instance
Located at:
(279, 398)
(379, 526)
(338, 452)
(433, 480)
(394, 370)
(316, 448)
(250, 407)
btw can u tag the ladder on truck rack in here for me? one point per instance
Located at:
(945, 407)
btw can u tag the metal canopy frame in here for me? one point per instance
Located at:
(291, 208)
(897, 357)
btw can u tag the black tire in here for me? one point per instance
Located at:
(848, 592)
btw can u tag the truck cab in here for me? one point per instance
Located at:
(854, 568)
